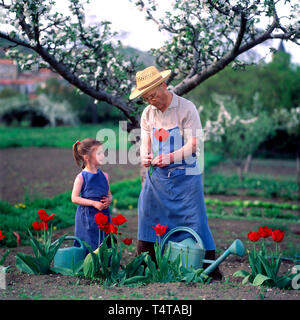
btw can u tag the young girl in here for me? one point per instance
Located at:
(91, 190)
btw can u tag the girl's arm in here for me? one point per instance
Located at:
(108, 199)
(75, 197)
(109, 192)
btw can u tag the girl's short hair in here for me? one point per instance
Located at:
(84, 147)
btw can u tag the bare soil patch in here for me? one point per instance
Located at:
(46, 172)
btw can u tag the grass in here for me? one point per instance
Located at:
(61, 136)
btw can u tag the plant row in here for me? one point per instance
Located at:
(104, 263)
(253, 186)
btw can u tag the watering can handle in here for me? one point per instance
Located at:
(191, 231)
(73, 238)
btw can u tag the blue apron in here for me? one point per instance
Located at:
(173, 198)
(94, 187)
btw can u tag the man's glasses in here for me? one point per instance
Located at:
(151, 96)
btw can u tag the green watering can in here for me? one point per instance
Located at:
(193, 252)
(64, 256)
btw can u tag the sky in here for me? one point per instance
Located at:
(144, 35)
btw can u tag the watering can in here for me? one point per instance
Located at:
(193, 252)
(64, 256)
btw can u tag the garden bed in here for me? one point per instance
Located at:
(25, 172)
(55, 286)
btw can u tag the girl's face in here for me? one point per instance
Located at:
(97, 156)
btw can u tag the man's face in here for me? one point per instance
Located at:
(155, 97)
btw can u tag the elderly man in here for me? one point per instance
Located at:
(172, 193)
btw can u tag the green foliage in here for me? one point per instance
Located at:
(261, 186)
(44, 252)
(84, 107)
(275, 84)
(62, 136)
(264, 271)
(167, 270)
(105, 265)
(3, 258)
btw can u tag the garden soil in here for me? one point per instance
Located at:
(49, 171)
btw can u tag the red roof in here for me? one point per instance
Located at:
(20, 81)
(6, 61)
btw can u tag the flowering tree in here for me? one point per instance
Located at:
(237, 138)
(206, 35)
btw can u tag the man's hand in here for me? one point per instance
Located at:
(146, 161)
(162, 160)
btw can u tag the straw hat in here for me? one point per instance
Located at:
(148, 79)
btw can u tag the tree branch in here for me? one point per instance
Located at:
(15, 40)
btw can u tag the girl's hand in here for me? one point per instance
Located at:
(98, 205)
(106, 201)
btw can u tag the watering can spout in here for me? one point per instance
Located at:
(236, 247)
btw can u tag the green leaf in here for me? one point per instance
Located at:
(31, 264)
(260, 279)
(63, 271)
(277, 265)
(267, 267)
(246, 279)
(283, 282)
(151, 267)
(90, 263)
(103, 255)
(4, 257)
(135, 279)
(241, 273)
(253, 264)
(189, 277)
(115, 262)
(37, 247)
(54, 247)
(25, 264)
(134, 265)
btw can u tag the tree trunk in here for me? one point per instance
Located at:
(240, 172)
(247, 164)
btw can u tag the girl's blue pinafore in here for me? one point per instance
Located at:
(173, 196)
(94, 187)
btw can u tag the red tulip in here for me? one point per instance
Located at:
(44, 225)
(36, 225)
(253, 236)
(127, 241)
(265, 232)
(1, 235)
(277, 235)
(44, 216)
(110, 228)
(101, 219)
(118, 220)
(161, 134)
(160, 230)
